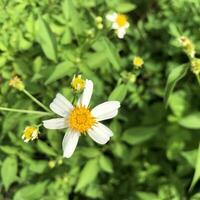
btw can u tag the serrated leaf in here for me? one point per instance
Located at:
(138, 135)
(175, 75)
(119, 93)
(191, 121)
(46, 39)
(88, 174)
(31, 192)
(9, 171)
(105, 164)
(61, 70)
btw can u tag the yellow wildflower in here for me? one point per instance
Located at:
(78, 83)
(138, 62)
(16, 83)
(195, 66)
(188, 46)
(30, 133)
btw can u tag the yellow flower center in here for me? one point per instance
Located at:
(78, 83)
(138, 61)
(30, 133)
(81, 119)
(121, 20)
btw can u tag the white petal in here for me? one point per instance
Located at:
(98, 135)
(106, 110)
(61, 105)
(126, 25)
(70, 142)
(84, 100)
(121, 32)
(56, 123)
(115, 26)
(111, 17)
(104, 129)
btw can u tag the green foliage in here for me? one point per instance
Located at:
(154, 152)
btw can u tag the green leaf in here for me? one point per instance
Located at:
(31, 192)
(46, 39)
(138, 135)
(190, 156)
(9, 171)
(88, 174)
(12, 150)
(191, 121)
(71, 14)
(106, 164)
(125, 7)
(46, 149)
(89, 152)
(197, 170)
(111, 53)
(119, 93)
(175, 75)
(146, 196)
(61, 70)
(38, 166)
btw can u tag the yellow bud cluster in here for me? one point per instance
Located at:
(78, 83)
(188, 46)
(30, 133)
(16, 83)
(195, 66)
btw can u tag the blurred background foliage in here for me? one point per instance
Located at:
(153, 154)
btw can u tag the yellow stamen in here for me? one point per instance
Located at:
(81, 119)
(30, 133)
(78, 83)
(121, 20)
(196, 66)
(16, 83)
(138, 61)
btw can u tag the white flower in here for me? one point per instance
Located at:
(80, 119)
(119, 23)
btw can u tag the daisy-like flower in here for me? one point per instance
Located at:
(138, 62)
(77, 83)
(30, 133)
(80, 119)
(119, 23)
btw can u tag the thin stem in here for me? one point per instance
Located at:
(198, 78)
(36, 101)
(25, 111)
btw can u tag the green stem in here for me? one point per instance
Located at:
(198, 78)
(35, 100)
(25, 111)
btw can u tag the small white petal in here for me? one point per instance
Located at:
(115, 26)
(104, 129)
(111, 17)
(70, 142)
(61, 105)
(84, 100)
(56, 123)
(121, 32)
(106, 110)
(98, 135)
(126, 25)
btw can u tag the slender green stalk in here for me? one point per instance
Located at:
(35, 100)
(25, 111)
(198, 78)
